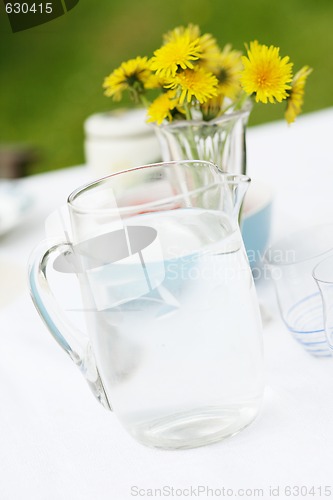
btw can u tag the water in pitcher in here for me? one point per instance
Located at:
(190, 345)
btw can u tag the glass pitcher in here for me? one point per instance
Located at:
(174, 342)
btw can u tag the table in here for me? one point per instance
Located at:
(57, 443)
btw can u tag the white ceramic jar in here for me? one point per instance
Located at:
(119, 140)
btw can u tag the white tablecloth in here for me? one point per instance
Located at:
(57, 443)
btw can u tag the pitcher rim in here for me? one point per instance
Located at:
(226, 177)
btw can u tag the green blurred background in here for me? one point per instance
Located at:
(51, 76)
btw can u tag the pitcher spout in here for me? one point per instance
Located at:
(235, 187)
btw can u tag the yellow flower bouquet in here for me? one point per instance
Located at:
(200, 96)
(199, 80)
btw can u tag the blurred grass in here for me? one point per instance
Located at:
(51, 76)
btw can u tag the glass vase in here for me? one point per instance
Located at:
(221, 141)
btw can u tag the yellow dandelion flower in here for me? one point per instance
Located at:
(196, 83)
(209, 58)
(192, 30)
(265, 74)
(174, 55)
(229, 70)
(208, 45)
(154, 82)
(296, 95)
(161, 108)
(130, 74)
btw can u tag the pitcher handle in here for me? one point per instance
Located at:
(74, 342)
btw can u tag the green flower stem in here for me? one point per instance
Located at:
(191, 138)
(187, 109)
(241, 100)
(145, 102)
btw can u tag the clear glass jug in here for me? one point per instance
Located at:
(174, 342)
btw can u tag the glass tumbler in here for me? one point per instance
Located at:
(291, 262)
(323, 274)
